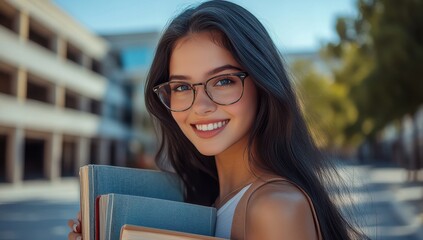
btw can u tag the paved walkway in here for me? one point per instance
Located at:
(385, 205)
(66, 189)
(38, 209)
(390, 184)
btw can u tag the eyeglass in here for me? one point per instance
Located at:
(179, 96)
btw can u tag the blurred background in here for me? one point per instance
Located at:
(72, 76)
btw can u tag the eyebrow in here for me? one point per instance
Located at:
(211, 72)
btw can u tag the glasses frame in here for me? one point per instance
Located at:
(242, 76)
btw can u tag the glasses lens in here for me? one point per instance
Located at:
(176, 96)
(225, 89)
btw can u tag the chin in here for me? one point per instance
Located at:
(207, 151)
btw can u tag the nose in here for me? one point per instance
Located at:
(203, 105)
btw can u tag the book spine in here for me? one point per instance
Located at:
(92, 189)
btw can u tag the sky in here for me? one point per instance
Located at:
(295, 25)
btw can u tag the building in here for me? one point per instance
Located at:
(134, 52)
(60, 107)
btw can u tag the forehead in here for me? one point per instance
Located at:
(198, 53)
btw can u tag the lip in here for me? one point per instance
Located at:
(211, 133)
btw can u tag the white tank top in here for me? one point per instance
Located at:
(225, 215)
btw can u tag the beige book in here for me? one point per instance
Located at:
(131, 232)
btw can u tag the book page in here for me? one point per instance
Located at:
(130, 232)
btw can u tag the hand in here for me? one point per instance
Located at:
(75, 226)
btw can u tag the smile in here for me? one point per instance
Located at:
(211, 126)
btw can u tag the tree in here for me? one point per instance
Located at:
(325, 105)
(381, 51)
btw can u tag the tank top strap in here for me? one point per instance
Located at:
(238, 230)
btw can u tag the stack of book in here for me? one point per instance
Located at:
(139, 204)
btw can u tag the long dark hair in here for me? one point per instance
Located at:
(282, 142)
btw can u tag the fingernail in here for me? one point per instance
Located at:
(74, 228)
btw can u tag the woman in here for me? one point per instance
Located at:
(231, 128)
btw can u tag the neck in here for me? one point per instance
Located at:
(233, 171)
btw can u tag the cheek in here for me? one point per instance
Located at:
(177, 117)
(245, 111)
(251, 104)
(249, 115)
(249, 100)
(180, 119)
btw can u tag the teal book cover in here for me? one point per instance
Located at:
(97, 180)
(118, 210)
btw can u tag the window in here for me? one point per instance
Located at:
(71, 100)
(73, 54)
(95, 107)
(6, 81)
(40, 35)
(38, 90)
(127, 117)
(7, 15)
(96, 66)
(136, 57)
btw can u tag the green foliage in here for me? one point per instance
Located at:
(325, 104)
(381, 55)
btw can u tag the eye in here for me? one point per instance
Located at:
(224, 82)
(181, 87)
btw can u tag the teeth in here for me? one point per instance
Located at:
(211, 126)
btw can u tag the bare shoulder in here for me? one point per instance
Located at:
(280, 210)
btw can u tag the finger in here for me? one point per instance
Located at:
(71, 222)
(74, 225)
(74, 236)
(75, 228)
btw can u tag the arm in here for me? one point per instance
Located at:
(279, 211)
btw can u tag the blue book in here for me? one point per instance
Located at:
(96, 180)
(116, 210)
